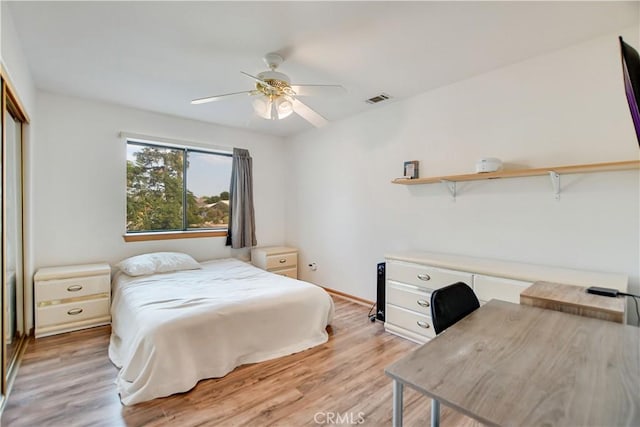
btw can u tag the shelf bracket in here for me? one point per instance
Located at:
(555, 183)
(451, 185)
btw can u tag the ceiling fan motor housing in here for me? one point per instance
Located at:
(275, 79)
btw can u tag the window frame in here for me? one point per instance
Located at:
(185, 232)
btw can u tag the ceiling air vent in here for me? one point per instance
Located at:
(378, 98)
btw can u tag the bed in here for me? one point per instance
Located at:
(171, 330)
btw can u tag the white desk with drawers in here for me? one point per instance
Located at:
(412, 276)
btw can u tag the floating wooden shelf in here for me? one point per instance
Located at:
(560, 170)
(553, 171)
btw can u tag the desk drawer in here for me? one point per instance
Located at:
(55, 290)
(409, 297)
(72, 312)
(488, 288)
(424, 276)
(410, 320)
(281, 261)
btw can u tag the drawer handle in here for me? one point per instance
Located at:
(283, 260)
(74, 288)
(422, 324)
(424, 277)
(74, 311)
(423, 303)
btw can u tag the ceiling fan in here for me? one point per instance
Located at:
(276, 98)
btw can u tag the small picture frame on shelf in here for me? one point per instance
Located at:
(411, 170)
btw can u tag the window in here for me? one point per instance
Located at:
(176, 189)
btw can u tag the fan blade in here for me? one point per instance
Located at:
(262, 82)
(217, 97)
(308, 114)
(313, 90)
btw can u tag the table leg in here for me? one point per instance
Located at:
(397, 403)
(435, 413)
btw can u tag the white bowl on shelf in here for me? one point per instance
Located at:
(488, 164)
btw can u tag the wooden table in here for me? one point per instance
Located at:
(574, 300)
(509, 364)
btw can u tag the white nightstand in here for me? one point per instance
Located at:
(276, 259)
(72, 297)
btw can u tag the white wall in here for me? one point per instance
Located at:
(14, 61)
(79, 183)
(566, 107)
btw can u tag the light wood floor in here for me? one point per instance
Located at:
(68, 380)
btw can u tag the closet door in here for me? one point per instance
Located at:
(12, 320)
(13, 263)
(3, 298)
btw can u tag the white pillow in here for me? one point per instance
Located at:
(157, 262)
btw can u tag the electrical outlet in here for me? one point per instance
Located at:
(313, 266)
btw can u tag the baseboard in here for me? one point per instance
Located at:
(351, 298)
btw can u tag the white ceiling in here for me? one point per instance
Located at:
(158, 56)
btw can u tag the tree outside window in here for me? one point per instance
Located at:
(176, 188)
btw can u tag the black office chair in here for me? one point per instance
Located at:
(450, 304)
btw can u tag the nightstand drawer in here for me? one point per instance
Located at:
(409, 320)
(424, 276)
(409, 297)
(282, 261)
(72, 312)
(289, 272)
(56, 290)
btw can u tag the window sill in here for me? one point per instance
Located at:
(168, 235)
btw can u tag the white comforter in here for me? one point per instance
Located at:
(171, 330)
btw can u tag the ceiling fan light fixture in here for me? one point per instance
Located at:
(262, 106)
(284, 107)
(271, 108)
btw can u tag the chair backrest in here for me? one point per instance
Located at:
(450, 304)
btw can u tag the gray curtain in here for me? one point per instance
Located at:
(242, 226)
